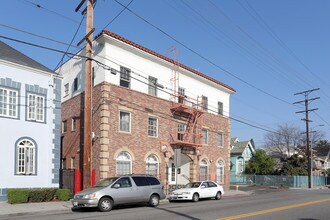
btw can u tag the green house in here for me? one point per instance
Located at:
(240, 153)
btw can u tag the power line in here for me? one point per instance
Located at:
(203, 57)
(74, 36)
(118, 14)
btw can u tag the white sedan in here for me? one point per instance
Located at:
(197, 190)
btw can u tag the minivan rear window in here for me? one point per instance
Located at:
(153, 181)
(140, 181)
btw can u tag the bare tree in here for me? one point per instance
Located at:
(284, 140)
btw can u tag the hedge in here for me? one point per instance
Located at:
(17, 195)
(63, 194)
(37, 195)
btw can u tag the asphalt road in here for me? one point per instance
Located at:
(265, 204)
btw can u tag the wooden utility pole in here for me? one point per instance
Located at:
(87, 145)
(306, 119)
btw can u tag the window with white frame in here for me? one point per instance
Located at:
(64, 126)
(205, 134)
(220, 172)
(74, 124)
(123, 163)
(25, 157)
(36, 108)
(181, 131)
(220, 139)
(152, 86)
(125, 121)
(125, 77)
(66, 89)
(152, 127)
(203, 170)
(8, 103)
(73, 162)
(152, 165)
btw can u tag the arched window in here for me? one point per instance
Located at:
(203, 170)
(152, 165)
(25, 157)
(220, 172)
(123, 163)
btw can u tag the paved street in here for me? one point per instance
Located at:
(264, 204)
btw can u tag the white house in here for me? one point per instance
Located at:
(30, 107)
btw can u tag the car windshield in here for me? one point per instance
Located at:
(192, 185)
(106, 182)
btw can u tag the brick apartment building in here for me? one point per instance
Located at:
(144, 108)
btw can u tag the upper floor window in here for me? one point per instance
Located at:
(125, 121)
(8, 103)
(220, 139)
(36, 108)
(26, 157)
(205, 103)
(74, 124)
(75, 84)
(152, 86)
(205, 136)
(181, 131)
(66, 89)
(152, 126)
(125, 77)
(220, 108)
(181, 93)
(64, 126)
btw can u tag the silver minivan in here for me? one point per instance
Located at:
(121, 190)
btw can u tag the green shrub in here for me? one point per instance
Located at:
(63, 194)
(42, 195)
(17, 196)
(36, 195)
(49, 193)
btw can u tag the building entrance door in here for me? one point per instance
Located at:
(179, 176)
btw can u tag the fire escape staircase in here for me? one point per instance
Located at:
(192, 134)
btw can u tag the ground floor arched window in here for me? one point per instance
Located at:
(25, 157)
(123, 163)
(203, 170)
(152, 165)
(220, 172)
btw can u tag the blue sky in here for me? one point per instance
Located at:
(266, 50)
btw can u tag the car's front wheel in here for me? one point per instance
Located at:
(195, 197)
(218, 196)
(154, 200)
(105, 204)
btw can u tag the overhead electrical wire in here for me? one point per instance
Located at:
(109, 68)
(205, 58)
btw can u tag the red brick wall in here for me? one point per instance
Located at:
(137, 141)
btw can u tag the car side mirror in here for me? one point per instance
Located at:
(116, 186)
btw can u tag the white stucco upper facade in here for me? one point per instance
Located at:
(114, 53)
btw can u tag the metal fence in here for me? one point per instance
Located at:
(272, 180)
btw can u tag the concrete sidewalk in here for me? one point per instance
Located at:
(27, 208)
